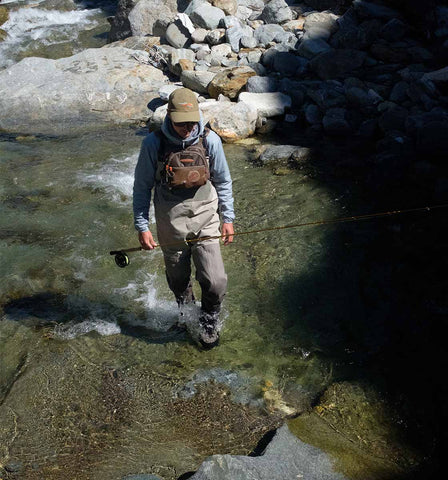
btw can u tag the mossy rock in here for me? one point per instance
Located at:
(3, 35)
(4, 15)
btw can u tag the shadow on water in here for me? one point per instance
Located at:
(375, 304)
(66, 315)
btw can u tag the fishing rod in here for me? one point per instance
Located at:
(122, 259)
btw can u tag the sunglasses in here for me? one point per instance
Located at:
(185, 124)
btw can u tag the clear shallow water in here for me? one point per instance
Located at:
(93, 383)
(50, 29)
(65, 205)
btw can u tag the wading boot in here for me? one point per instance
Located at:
(186, 298)
(209, 328)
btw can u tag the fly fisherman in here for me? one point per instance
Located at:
(186, 166)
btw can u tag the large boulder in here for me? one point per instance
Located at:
(206, 16)
(92, 89)
(276, 11)
(198, 81)
(144, 15)
(335, 63)
(269, 104)
(231, 121)
(286, 457)
(230, 82)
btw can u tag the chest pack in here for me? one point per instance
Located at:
(183, 168)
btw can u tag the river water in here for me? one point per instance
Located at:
(95, 381)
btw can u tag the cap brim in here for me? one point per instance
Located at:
(178, 117)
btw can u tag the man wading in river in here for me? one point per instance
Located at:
(186, 165)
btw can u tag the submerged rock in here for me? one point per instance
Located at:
(285, 457)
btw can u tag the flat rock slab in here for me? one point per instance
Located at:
(285, 458)
(93, 89)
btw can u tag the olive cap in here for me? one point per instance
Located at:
(183, 106)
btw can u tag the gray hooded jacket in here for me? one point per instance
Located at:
(145, 172)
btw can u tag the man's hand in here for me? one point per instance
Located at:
(146, 240)
(227, 229)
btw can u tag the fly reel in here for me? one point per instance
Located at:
(121, 256)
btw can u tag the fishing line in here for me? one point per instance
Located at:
(122, 260)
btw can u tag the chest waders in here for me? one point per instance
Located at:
(184, 210)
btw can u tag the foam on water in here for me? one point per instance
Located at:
(161, 314)
(71, 330)
(116, 178)
(30, 27)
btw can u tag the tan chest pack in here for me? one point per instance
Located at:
(183, 168)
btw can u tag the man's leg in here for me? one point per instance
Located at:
(212, 277)
(178, 272)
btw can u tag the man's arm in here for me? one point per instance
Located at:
(222, 181)
(144, 179)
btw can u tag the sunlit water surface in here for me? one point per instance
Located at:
(89, 360)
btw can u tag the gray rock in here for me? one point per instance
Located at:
(394, 30)
(166, 90)
(254, 56)
(310, 48)
(288, 39)
(229, 7)
(313, 115)
(437, 75)
(145, 13)
(276, 11)
(222, 50)
(231, 121)
(244, 13)
(323, 21)
(206, 16)
(335, 123)
(286, 457)
(336, 63)
(267, 33)
(267, 58)
(199, 35)
(268, 104)
(441, 20)
(249, 42)
(176, 55)
(202, 66)
(216, 36)
(235, 31)
(366, 8)
(294, 89)
(196, 80)
(259, 84)
(258, 68)
(177, 35)
(277, 154)
(398, 93)
(287, 63)
(393, 119)
(78, 93)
